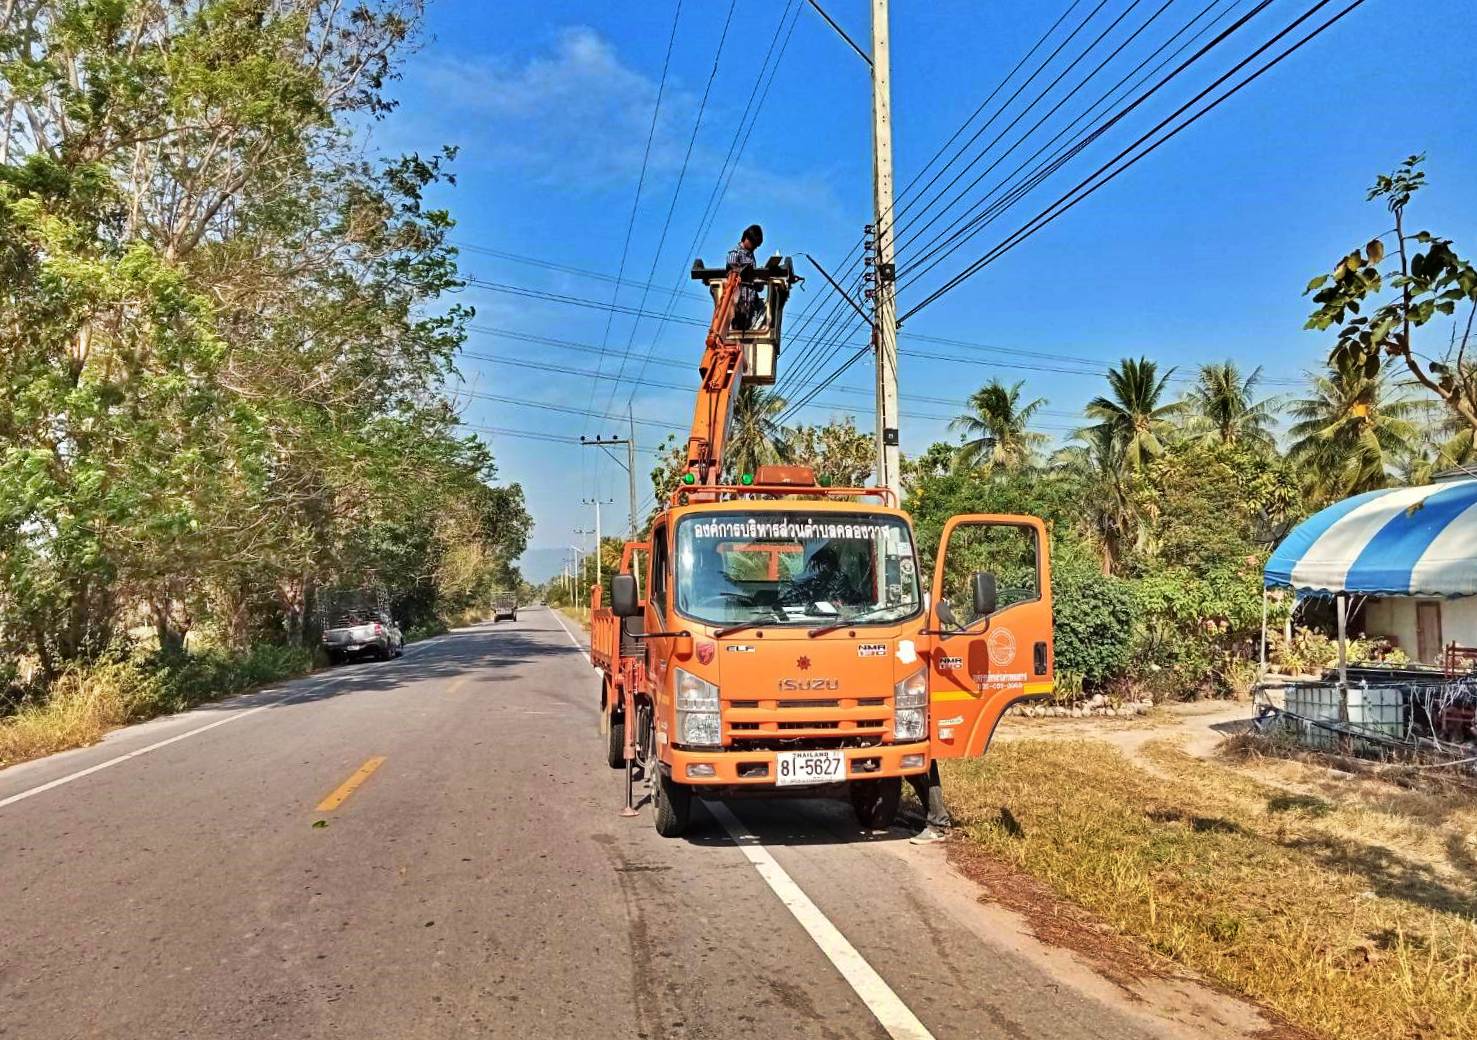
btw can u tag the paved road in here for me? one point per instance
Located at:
(171, 882)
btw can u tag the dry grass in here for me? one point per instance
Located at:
(1334, 909)
(84, 704)
(581, 615)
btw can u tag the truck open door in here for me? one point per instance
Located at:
(990, 627)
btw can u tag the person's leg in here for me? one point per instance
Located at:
(930, 791)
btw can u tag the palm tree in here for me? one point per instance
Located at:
(755, 437)
(1351, 431)
(1133, 416)
(995, 428)
(1098, 463)
(1223, 408)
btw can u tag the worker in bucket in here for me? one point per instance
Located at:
(748, 309)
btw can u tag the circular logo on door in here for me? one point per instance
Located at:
(1002, 646)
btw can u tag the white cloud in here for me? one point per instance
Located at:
(577, 111)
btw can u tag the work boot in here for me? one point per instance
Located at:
(928, 836)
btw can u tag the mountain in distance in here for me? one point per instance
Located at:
(539, 565)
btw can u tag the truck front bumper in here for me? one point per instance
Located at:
(739, 766)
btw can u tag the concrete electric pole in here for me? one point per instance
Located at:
(885, 301)
(597, 503)
(605, 443)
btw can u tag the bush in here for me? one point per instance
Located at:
(1094, 618)
(88, 701)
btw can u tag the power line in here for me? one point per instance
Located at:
(951, 238)
(1068, 96)
(676, 193)
(905, 199)
(752, 107)
(656, 109)
(979, 157)
(1062, 205)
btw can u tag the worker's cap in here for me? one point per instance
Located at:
(754, 233)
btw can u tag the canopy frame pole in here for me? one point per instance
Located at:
(1342, 606)
(1262, 663)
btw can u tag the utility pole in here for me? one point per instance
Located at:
(597, 503)
(885, 301)
(605, 443)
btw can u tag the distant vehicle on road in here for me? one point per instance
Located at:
(504, 606)
(357, 623)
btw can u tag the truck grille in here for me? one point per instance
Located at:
(807, 722)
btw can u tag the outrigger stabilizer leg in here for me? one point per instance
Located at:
(630, 708)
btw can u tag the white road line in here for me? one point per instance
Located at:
(886, 1006)
(109, 763)
(320, 684)
(577, 644)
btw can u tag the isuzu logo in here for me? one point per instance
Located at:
(789, 685)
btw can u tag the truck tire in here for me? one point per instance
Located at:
(673, 805)
(876, 801)
(615, 741)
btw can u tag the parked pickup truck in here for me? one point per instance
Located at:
(505, 606)
(357, 623)
(363, 635)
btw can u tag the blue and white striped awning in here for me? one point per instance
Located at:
(1419, 541)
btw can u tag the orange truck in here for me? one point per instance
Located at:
(773, 635)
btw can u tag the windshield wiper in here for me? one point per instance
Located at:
(744, 625)
(821, 630)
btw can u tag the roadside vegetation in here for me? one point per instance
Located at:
(1349, 909)
(227, 373)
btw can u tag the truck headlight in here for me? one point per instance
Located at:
(698, 720)
(910, 707)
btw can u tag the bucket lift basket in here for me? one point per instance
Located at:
(761, 345)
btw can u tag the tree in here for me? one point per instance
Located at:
(1223, 408)
(221, 380)
(995, 429)
(1350, 430)
(1133, 416)
(840, 455)
(1098, 466)
(755, 436)
(1429, 281)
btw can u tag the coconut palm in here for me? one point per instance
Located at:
(1133, 416)
(1223, 408)
(756, 437)
(995, 428)
(1098, 463)
(1352, 430)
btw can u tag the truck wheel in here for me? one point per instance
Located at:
(673, 805)
(876, 801)
(615, 742)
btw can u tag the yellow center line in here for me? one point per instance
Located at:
(350, 785)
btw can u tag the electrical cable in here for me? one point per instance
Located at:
(640, 184)
(676, 193)
(968, 226)
(754, 105)
(1062, 205)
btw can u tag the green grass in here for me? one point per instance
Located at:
(1261, 890)
(86, 702)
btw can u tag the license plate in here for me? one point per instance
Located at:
(809, 767)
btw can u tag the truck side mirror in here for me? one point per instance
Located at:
(982, 586)
(623, 601)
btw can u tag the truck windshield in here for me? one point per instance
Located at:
(795, 568)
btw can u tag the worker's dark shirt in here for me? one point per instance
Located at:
(748, 312)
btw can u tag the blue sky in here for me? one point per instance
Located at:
(1200, 252)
